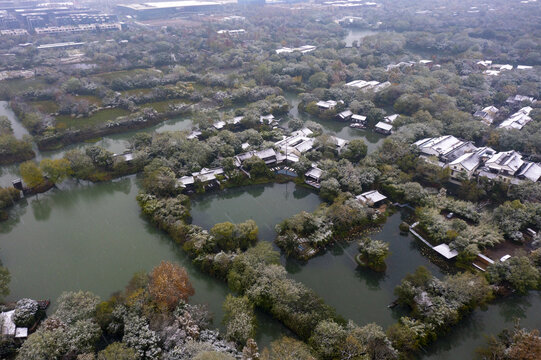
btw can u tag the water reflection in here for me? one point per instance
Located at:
(41, 208)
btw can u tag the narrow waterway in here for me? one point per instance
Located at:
(18, 129)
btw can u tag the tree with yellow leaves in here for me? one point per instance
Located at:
(169, 284)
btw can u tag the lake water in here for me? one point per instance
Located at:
(267, 205)
(93, 237)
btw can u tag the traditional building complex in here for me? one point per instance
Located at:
(466, 160)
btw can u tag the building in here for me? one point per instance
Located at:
(383, 128)
(530, 171)
(302, 49)
(194, 135)
(313, 177)
(345, 115)
(372, 198)
(267, 155)
(326, 105)
(518, 99)
(298, 142)
(358, 119)
(236, 32)
(268, 120)
(339, 143)
(8, 327)
(487, 115)
(208, 175)
(504, 165)
(446, 148)
(464, 167)
(391, 118)
(445, 251)
(164, 9)
(518, 120)
(400, 65)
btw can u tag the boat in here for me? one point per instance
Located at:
(357, 126)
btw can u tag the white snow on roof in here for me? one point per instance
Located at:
(445, 251)
(384, 126)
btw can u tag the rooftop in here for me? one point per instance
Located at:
(445, 251)
(372, 196)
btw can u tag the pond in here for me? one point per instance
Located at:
(267, 205)
(360, 294)
(93, 237)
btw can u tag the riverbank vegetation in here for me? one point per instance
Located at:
(515, 343)
(13, 150)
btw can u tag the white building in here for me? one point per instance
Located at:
(447, 148)
(345, 115)
(518, 120)
(298, 142)
(466, 165)
(371, 198)
(517, 99)
(8, 327)
(505, 164)
(530, 171)
(487, 114)
(326, 105)
(383, 128)
(391, 118)
(302, 49)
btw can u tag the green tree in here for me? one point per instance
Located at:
(55, 170)
(327, 339)
(5, 279)
(117, 351)
(319, 80)
(31, 174)
(356, 150)
(373, 253)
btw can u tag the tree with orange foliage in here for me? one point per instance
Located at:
(169, 283)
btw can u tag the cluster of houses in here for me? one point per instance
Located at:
(302, 49)
(236, 32)
(409, 64)
(373, 85)
(358, 121)
(516, 121)
(269, 120)
(465, 160)
(492, 69)
(286, 151)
